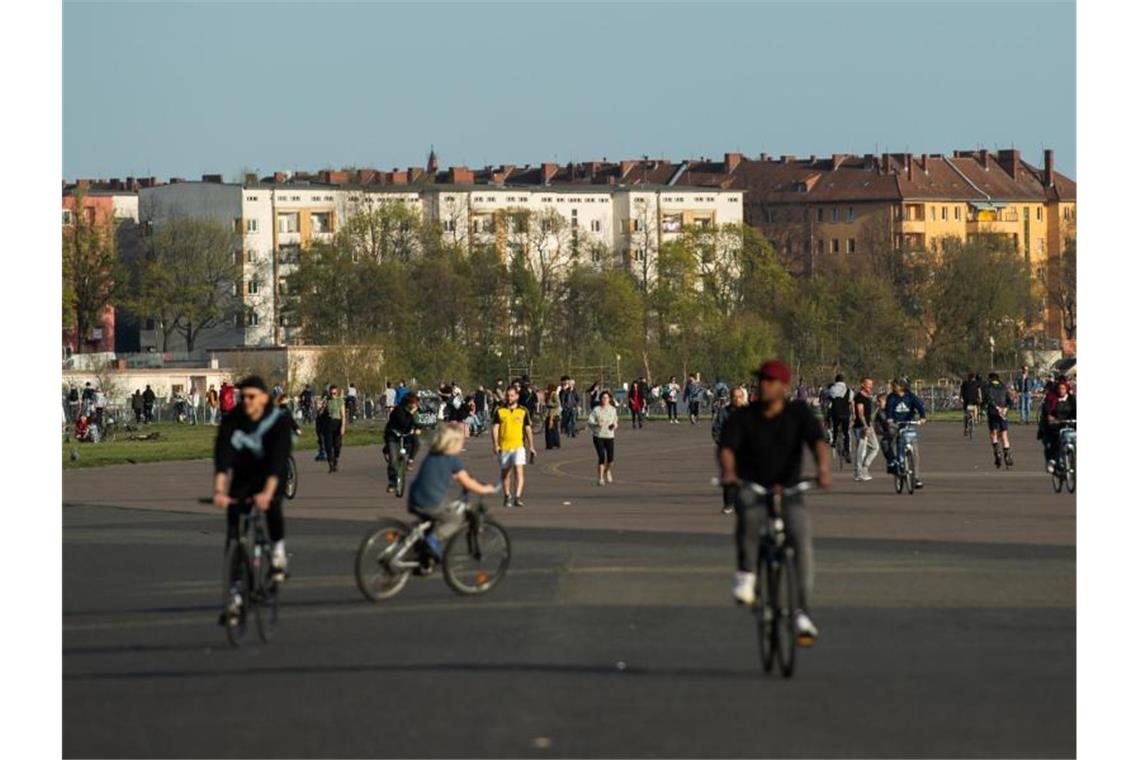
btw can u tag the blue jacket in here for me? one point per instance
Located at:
(905, 408)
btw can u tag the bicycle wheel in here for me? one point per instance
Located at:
(1059, 476)
(374, 577)
(291, 478)
(765, 593)
(910, 470)
(237, 579)
(784, 614)
(900, 477)
(263, 600)
(1070, 458)
(477, 558)
(401, 473)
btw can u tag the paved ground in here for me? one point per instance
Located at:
(948, 620)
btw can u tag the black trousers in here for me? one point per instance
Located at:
(638, 417)
(694, 409)
(671, 408)
(332, 438)
(605, 449)
(274, 520)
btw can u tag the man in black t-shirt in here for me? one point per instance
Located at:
(764, 444)
(251, 455)
(867, 443)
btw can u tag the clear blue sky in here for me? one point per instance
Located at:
(169, 89)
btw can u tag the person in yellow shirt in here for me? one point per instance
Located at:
(512, 437)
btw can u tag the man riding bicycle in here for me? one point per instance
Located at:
(998, 400)
(839, 414)
(401, 424)
(1060, 407)
(763, 444)
(251, 455)
(902, 406)
(971, 393)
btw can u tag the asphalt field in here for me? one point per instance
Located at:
(947, 619)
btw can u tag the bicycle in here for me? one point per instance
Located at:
(291, 478)
(247, 578)
(1065, 465)
(840, 447)
(401, 464)
(474, 560)
(905, 462)
(971, 423)
(777, 587)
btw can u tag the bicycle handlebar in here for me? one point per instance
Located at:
(803, 485)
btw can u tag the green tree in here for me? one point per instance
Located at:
(92, 275)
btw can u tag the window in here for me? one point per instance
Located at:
(251, 256)
(850, 213)
(596, 225)
(150, 325)
(288, 222)
(1068, 213)
(253, 318)
(1041, 245)
(835, 215)
(250, 226)
(449, 225)
(944, 213)
(1025, 213)
(237, 225)
(518, 224)
(322, 222)
(637, 225)
(639, 254)
(851, 245)
(819, 214)
(282, 286)
(253, 287)
(290, 254)
(67, 216)
(957, 213)
(574, 222)
(835, 245)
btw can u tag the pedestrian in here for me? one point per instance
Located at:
(692, 397)
(401, 391)
(571, 401)
(737, 400)
(88, 398)
(594, 395)
(603, 422)
(866, 442)
(148, 404)
(638, 401)
(388, 400)
(350, 397)
(552, 419)
(1025, 385)
(137, 405)
(194, 401)
(212, 405)
(227, 398)
(512, 438)
(72, 403)
(670, 393)
(482, 399)
(336, 418)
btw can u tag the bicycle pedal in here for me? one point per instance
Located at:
(805, 641)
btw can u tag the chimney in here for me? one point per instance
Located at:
(984, 157)
(1048, 167)
(1010, 161)
(763, 156)
(731, 161)
(923, 164)
(908, 162)
(886, 165)
(787, 159)
(548, 172)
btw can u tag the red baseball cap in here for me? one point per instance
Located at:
(774, 369)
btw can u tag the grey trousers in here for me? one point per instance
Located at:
(866, 449)
(751, 519)
(448, 518)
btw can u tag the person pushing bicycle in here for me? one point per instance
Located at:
(763, 444)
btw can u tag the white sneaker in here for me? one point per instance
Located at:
(744, 588)
(804, 627)
(601, 481)
(1052, 465)
(858, 476)
(866, 476)
(609, 476)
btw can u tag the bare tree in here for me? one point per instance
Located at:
(91, 272)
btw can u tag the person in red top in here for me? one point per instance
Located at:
(638, 400)
(226, 401)
(82, 428)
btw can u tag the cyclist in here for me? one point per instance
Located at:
(251, 455)
(401, 422)
(971, 393)
(427, 495)
(763, 444)
(998, 399)
(902, 406)
(512, 437)
(839, 411)
(1062, 407)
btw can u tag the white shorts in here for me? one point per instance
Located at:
(512, 458)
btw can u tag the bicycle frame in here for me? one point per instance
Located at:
(906, 440)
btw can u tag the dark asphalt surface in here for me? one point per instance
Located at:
(601, 642)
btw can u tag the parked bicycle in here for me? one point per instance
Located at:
(906, 457)
(248, 588)
(1065, 465)
(777, 588)
(474, 560)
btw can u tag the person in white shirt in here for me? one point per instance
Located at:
(194, 400)
(603, 422)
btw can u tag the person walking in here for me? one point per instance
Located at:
(482, 399)
(350, 398)
(737, 400)
(670, 393)
(1025, 385)
(512, 438)
(148, 404)
(692, 397)
(866, 442)
(227, 398)
(552, 420)
(212, 404)
(388, 400)
(336, 419)
(72, 403)
(638, 402)
(570, 403)
(137, 406)
(603, 422)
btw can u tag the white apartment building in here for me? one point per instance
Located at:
(598, 224)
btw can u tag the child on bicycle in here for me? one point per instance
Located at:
(427, 497)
